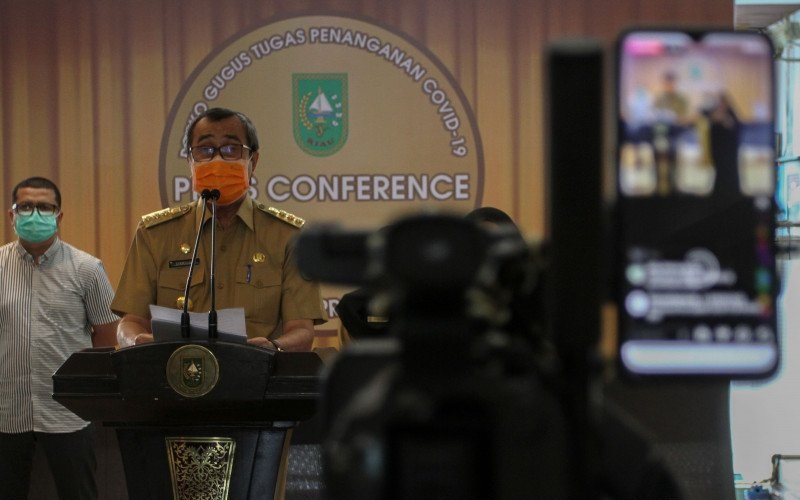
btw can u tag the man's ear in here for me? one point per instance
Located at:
(253, 162)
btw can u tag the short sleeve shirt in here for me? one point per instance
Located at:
(255, 269)
(46, 313)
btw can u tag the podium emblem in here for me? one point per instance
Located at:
(192, 371)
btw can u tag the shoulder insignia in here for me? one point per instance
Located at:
(282, 215)
(164, 215)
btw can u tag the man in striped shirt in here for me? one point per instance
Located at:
(54, 300)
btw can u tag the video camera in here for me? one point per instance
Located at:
(456, 396)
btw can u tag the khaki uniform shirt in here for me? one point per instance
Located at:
(255, 267)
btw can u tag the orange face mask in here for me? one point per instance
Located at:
(229, 178)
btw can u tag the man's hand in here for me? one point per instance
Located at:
(142, 338)
(133, 330)
(261, 342)
(105, 335)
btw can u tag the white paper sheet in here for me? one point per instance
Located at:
(166, 324)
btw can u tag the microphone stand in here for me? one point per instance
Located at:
(212, 314)
(185, 329)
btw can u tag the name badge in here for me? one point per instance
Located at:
(183, 263)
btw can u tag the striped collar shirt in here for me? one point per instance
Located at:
(46, 313)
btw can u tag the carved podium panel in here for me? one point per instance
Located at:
(199, 420)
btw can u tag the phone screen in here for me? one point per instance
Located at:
(695, 204)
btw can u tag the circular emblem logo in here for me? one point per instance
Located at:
(356, 122)
(192, 371)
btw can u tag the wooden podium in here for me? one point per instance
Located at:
(199, 420)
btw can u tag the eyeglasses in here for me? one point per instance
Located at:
(227, 152)
(26, 209)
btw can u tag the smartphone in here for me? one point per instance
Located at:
(694, 215)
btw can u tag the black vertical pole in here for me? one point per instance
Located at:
(574, 98)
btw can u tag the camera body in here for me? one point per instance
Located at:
(456, 398)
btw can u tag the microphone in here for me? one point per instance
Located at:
(185, 314)
(212, 314)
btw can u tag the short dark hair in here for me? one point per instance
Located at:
(490, 214)
(38, 183)
(218, 114)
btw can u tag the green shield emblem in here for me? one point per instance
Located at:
(320, 117)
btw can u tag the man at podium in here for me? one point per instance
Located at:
(254, 268)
